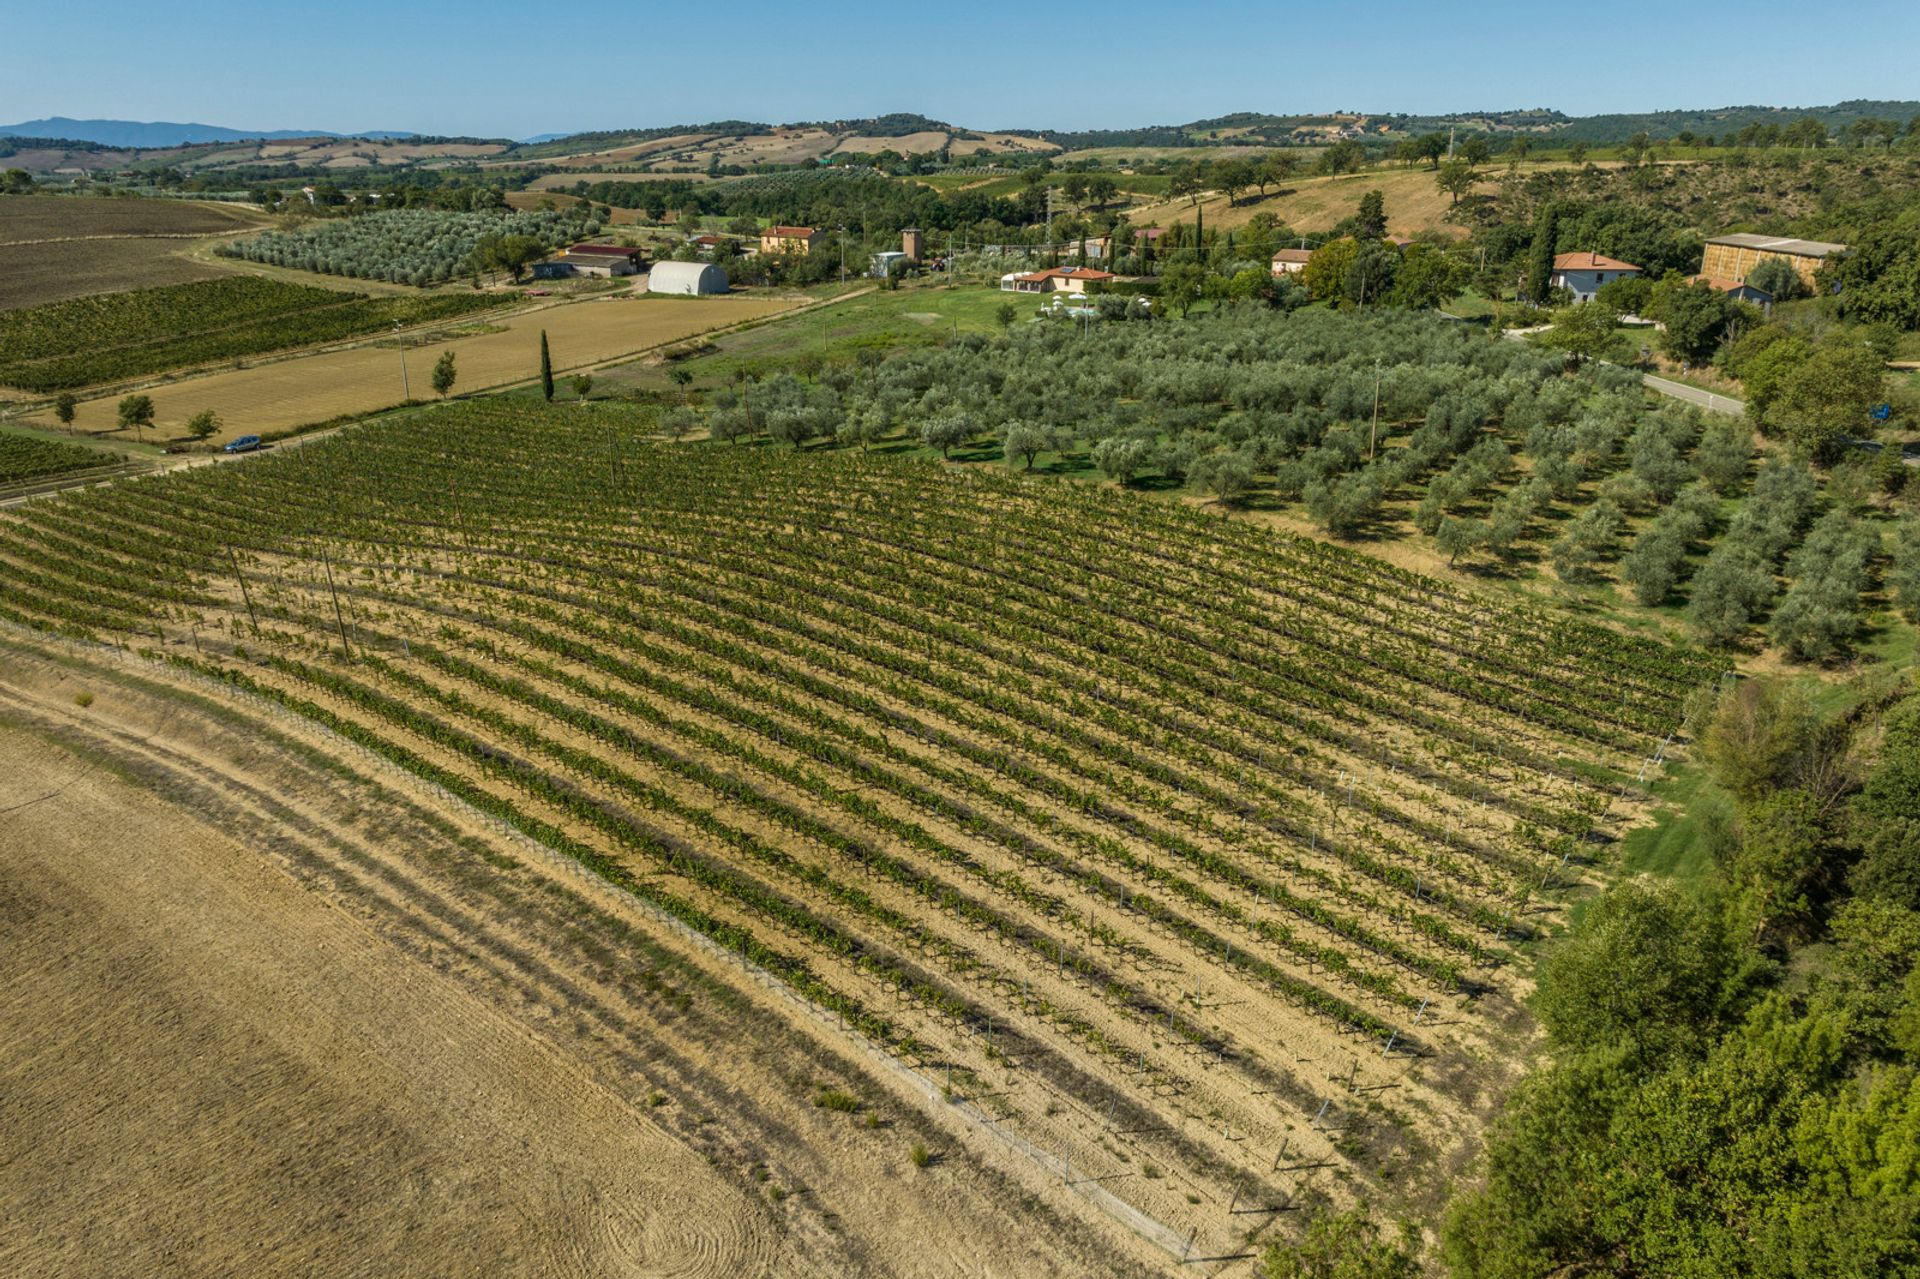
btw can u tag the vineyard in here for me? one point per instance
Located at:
(404, 246)
(115, 336)
(1197, 856)
(26, 457)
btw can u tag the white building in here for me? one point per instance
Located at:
(686, 278)
(1291, 261)
(1583, 273)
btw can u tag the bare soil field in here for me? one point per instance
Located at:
(338, 153)
(562, 181)
(31, 218)
(266, 1005)
(629, 154)
(525, 200)
(907, 144)
(785, 146)
(58, 247)
(279, 395)
(1001, 143)
(31, 274)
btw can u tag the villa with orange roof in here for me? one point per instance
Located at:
(1582, 274)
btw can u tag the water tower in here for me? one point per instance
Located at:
(913, 242)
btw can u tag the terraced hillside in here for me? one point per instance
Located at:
(1192, 858)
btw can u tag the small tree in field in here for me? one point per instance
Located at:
(63, 409)
(582, 384)
(443, 374)
(1122, 457)
(136, 411)
(1026, 441)
(1228, 476)
(682, 378)
(203, 424)
(946, 432)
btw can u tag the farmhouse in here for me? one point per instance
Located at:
(591, 259)
(1735, 289)
(1291, 261)
(1731, 257)
(1059, 279)
(790, 239)
(1582, 274)
(687, 279)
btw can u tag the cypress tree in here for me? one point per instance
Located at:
(546, 368)
(1546, 229)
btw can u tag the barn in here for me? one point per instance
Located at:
(1730, 257)
(686, 278)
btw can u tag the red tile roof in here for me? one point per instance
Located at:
(1293, 255)
(1590, 262)
(1069, 272)
(1726, 286)
(791, 232)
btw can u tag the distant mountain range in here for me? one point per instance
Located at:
(1241, 127)
(160, 133)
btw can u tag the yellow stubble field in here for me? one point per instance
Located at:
(284, 394)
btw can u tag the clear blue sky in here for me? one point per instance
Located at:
(491, 68)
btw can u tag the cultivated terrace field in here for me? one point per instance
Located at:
(1193, 859)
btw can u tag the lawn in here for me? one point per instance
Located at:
(881, 321)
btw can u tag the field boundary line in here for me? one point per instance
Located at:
(1141, 1223)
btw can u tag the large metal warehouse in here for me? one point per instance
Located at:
(687, 278)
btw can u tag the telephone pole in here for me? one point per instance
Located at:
(1373, 436)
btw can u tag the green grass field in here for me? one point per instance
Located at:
(881, 321)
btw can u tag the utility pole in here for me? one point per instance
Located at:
(245, 594)
(1373, 436)
(843, 255)
(406, 388)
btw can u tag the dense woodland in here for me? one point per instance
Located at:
(1734, 1085)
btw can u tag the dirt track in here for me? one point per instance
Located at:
(265, 1014)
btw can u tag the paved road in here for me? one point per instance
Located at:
(1711, 401)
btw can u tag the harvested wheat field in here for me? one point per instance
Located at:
(920, 143)
(284, 394)
(1414, 201)
(1167, 874)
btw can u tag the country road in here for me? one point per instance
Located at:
(1711, 401)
